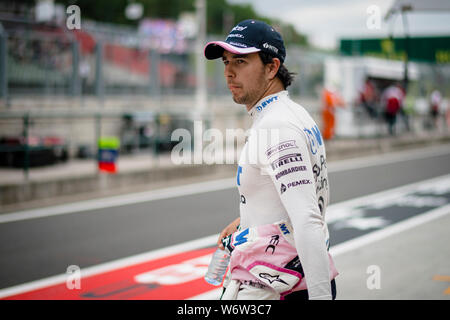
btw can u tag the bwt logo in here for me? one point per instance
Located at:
(284, 228)
(314, 138)
(74, 19)
(266, 103)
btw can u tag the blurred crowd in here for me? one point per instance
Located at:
(40, 48)
(389, 104)
(384, 103)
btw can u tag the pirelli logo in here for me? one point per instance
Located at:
(289, 158)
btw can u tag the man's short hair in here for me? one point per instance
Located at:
(283, 73)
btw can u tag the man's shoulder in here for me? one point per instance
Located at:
(276, 117)
(285, 113)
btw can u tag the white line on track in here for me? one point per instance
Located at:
(389, 230)
(388, 158)
(209, 186)
(122, 200)
(385, 195)
(211, 240)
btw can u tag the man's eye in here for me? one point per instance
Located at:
(240, 61)
(225, 62)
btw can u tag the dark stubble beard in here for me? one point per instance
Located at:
(254, 94)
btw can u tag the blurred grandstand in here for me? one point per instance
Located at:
(138, 81)
(51, 59)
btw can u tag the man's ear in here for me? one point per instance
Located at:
(272, 68)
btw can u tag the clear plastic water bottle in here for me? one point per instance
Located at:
(217, 267)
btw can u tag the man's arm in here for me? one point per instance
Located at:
(292, 174)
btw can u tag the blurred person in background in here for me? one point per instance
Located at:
(330, 100)
(392, 101)
(435, 107)
(446, 113)
(404, 111)
(279, 244)
(368, 97)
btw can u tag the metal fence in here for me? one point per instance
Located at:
(47, 64)
(103, 63)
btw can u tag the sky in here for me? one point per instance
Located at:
(326, 21)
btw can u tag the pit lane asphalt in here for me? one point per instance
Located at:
(37, 248)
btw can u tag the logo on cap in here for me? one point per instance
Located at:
(237, 44)
(270, 47)
(235, 35)
(238, 28)
(251, 35)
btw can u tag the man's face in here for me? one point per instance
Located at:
(246, 78)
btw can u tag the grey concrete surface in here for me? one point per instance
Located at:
(412, 265)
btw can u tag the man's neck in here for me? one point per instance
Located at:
(274, 86)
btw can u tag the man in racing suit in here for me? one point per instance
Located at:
(281, 247)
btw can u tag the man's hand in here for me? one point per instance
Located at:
(231, 228)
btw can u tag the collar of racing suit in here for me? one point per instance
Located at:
(262, 105)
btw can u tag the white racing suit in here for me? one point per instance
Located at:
(281, 177)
